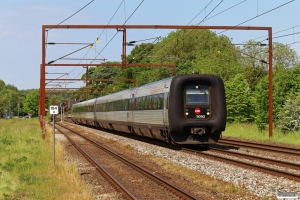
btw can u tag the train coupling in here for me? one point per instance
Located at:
(198, 131)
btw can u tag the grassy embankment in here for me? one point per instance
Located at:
(26, 165)
(250, 131)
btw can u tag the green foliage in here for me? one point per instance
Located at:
(238, 100)
(281, 90)
(10, 100)
(31, 103)
(284, 57)
(250, 131)
(200, 51)
(289, 115)
(261, 103)
(293, 80)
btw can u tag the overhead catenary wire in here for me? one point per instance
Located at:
(72, 14)
(209, 13)
(294, 43)
(200, 11)
(275, 32)
(205, 19)
(99, 37)
(94, 43)
(263, 61)
(117, 31)
(47, 31)
(111, 18)
(211, 16)
(225, 10)
(157, 38)
(282, 36)
(114, 34)
(257, 16)
(177, 34)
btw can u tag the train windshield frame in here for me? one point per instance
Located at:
(197, 94)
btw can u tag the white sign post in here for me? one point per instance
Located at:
(53, 112)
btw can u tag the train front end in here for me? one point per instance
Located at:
(197, 109)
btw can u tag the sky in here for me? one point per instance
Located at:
(21, 30)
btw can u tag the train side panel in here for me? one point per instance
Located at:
(83, 112)
(162, 110)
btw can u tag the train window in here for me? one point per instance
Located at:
(161, 101)
(119, 105)
(147, 103)
(154, 102)
(132, 104)
(110, 106)
(100, 107)
(143, 106)
(138, 103)
(196, 94)
(157, 101)
(125, 104)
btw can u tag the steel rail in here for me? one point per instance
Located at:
(262, 159)
(115, 183)
(272, 148)
(267, 145)
(243, 164)
(147, 173)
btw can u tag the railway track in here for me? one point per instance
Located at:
(236, 161)
(265, 147)
(257, 158)
(131, 180)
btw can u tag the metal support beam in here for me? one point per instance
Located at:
(270, 83)
(124, 64)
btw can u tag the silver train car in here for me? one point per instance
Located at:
(185, 109)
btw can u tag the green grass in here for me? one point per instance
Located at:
(250, 131)
(26, 165)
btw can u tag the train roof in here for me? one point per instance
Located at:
(127, 92)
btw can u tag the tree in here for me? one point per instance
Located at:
(254, 60)
(200, 51)
(289, 115)
(31, 103)
(9, 95)
(284, 57)
(238, 100)
(261, 103)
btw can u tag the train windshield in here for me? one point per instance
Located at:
(196, 94)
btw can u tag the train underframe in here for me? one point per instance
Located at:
(159, 132)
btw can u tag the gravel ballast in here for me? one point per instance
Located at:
(259, 184)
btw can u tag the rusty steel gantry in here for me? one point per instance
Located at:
(124, 64)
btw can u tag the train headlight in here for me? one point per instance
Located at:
(208, 113)
(186, 113)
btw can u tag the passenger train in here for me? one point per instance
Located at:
(184, 109)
